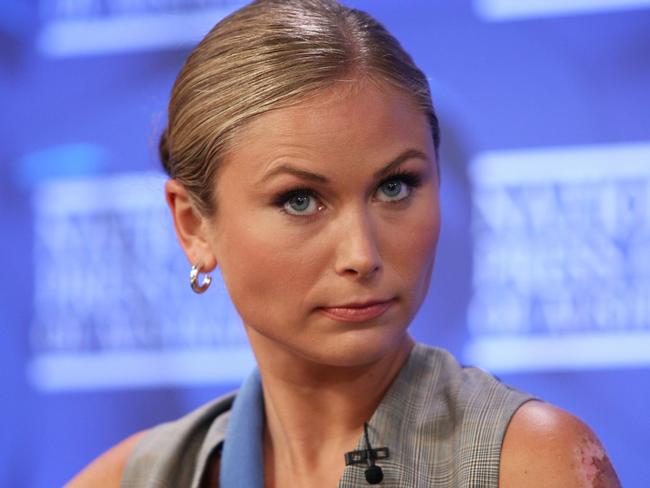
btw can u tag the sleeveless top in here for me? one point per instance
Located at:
(443, 424)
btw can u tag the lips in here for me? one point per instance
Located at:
(358, 312)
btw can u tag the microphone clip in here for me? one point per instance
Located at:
(364, 455)
(368, 456)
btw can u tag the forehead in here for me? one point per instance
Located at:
(346, 123)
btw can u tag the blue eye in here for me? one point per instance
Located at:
(299, 202)
(394, 190)
(305, 202)
(398, 186)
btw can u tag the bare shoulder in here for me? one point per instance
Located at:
(546, 446)
(106, 471)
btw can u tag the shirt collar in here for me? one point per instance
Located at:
(242, 462)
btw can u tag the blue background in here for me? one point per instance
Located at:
(565, 80)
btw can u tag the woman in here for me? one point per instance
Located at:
(302, 150)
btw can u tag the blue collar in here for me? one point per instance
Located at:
(242, 462)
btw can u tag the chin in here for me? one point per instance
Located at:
(356, 348)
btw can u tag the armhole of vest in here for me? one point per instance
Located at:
(524, 398)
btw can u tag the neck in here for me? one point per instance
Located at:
(314, 412)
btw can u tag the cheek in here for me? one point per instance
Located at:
(413, 249)
(262, 267)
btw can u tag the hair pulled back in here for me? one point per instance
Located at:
(267, 55)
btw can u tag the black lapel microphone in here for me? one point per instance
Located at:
(374, 473)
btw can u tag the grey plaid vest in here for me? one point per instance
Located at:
(443, 424)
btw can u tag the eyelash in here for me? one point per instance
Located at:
(412, 179)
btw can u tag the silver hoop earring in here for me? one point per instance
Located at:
(194, 280)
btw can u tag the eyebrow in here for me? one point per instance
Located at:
(318, 178)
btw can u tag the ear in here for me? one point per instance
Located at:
(191, 227)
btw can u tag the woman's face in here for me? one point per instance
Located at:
(325, 206)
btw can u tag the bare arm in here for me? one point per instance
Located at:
(545, 446)
(106, 471)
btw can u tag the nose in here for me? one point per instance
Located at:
(357, 248)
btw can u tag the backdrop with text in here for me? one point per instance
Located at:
(543, 270)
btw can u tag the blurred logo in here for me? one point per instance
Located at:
(561, 274)
(112, 305)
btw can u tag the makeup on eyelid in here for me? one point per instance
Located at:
(411, 179)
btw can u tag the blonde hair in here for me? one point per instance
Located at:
(267, 55)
